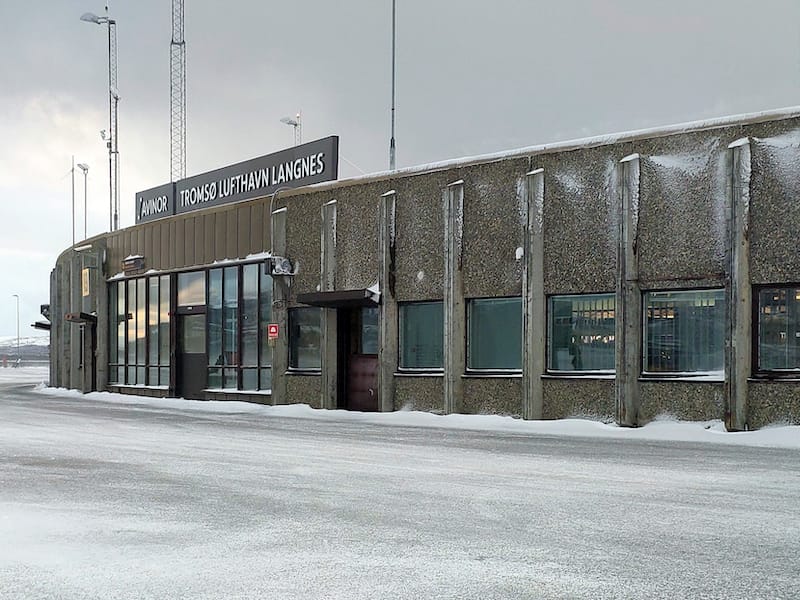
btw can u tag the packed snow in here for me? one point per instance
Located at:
(664, 428)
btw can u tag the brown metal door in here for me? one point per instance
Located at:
(362, 383)
(362, 360)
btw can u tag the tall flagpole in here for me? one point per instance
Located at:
(391, 142)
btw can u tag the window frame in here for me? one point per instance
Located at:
(121, 366)
(757, 372)
(416, 370)
(469, 303)
(293, 369)
(712, 375)
(549, 369)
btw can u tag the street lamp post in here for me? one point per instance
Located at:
(85, 168)
(18, 356)
(298, 128)
(113, 102)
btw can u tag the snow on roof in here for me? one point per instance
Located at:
(575, 144)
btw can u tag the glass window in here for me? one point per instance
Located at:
(250, 316)
(214, 322)
(581, 333)
(304, 338)
(494, 333)
(421, 335)
(152, 330)
(191, 288)
(684, 331)
(779, 329)
(113, 352)
(230, 320)
(163, 328)
(368, 342)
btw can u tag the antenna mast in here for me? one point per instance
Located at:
(177, 60)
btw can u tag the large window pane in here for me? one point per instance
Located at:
(141, 326)
(304, 338)
(582, 333)
(113, 332)
(163, 325)
(685, 331)
(122, 320)
(250, 316)
(779, 329)
(421, 335)
(131, 320)
(214, 317)
(152, 329)
(230, 316)
(191, 288)
(494, 333)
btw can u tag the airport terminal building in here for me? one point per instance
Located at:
(619, 277)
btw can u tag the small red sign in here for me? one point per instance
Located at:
(272, 331)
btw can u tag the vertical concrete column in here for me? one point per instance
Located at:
(56, 319)
(280, 315)
(101, 307)
(628, 295)
(387, 334)
(329, 386)
(739, 296)
(75, 349)
(454, 312)
(533, 316)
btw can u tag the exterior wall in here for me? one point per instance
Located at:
(690, 400)
(682, 241)
(419, 393)
(579, 397)
(492, 396)
(304, 389)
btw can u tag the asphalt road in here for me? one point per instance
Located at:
(103, 500)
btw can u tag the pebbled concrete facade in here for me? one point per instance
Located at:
(680, 217)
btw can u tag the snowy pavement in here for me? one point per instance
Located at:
(106, 496)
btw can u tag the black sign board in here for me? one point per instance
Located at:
(155, 203)
(309, 163)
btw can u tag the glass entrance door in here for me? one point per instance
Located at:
(191, 359)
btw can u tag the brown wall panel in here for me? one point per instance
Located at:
(209, 235)
(188, 241)
(231, 234)
(180, 250)
(163, 249)
(243, 230)
(258, 239)
(199, 243)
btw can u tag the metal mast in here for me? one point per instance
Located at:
(177, 61)
(113, 132)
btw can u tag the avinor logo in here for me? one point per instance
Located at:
(155, 203)
(309, 163)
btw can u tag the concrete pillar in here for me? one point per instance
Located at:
(280, 298)
(56, 318)
(739, 296)
(75, 349)
(388, 334)
(454, 310)
(99, 276)
(327, 283)
(628, 295)
(533, 316)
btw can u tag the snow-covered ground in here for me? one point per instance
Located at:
(107, 496)
(664, 429)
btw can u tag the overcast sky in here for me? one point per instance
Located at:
(473, 77)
